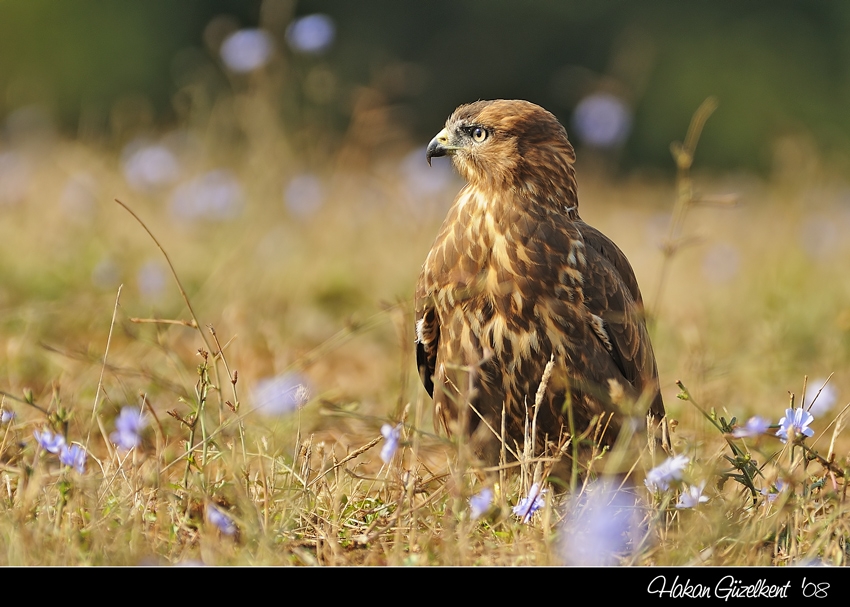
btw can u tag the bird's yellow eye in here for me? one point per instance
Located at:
(479, 134)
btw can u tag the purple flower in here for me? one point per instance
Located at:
(221, 520)
(663, 474)
(391, 436)
(149, 167)
(600, 524)
(128, 427)
(795, 422)
(281, 394)
(6, 416)
(602, 120)
(755, 426)
(49, 441)
(312, 34)
(246, 50)
(692, 496)
(479, 504)
(771, 494)
(74, 456)
(216, 195)
(530, 504)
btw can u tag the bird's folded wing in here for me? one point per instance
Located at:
(611, 293)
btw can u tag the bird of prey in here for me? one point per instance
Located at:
(514, 278)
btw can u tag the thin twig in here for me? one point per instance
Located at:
(166, 321)
(103, 367)
(232, 378)
(683, 155)
(24, 401)
(173, 273)
(347, 458)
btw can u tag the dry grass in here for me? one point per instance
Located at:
(746, 312)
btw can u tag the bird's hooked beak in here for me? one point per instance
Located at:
(440, 146)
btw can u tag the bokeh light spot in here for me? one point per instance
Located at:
(247, 50)
(312, 34)
(602, 120)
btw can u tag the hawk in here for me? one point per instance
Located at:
(514, 278)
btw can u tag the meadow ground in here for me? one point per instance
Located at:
(261, 443)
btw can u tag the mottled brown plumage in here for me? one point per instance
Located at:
(514, 277)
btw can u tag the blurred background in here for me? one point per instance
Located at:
(620, 74)
(276, 149)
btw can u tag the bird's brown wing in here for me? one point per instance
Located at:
(443, 255)
(611, 293)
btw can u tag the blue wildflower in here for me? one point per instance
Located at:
(6, 416)
(771, 494)
(795, 422)
(247, 49)
(128, 427)
(221, 520)
(755, 426)
(600, 524)
(74, 456)
(663, 474)
(49, 441)
(216, 195)
(149, 167)
(692, 496)
(391, 437)
(479, 504)
(312, 34)
(530, 504)
(281, 394)
(602, 120)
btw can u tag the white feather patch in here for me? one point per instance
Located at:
(599, 328)
(420, 325)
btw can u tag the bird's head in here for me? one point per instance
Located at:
(509, 145)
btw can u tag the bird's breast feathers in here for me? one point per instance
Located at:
(505, 283)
